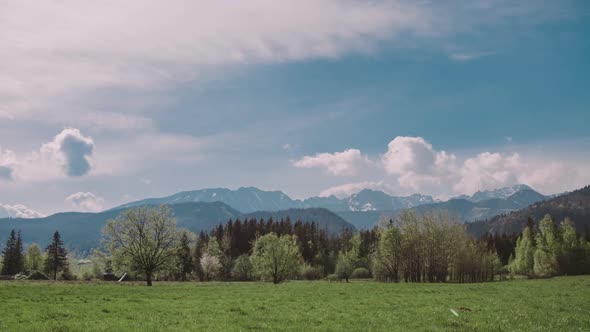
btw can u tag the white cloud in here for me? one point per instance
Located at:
(18, 211)
(467, 56)
(7, 162)
(85, 201)
(348, 189)
(415, 155)
(345, 163)
(73, 47)
(69, 154)
(71, 150)
(412, 164)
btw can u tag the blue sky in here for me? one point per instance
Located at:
(99, 106)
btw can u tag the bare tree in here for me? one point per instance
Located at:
(143, 239)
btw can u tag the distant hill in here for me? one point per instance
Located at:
(574, 205)
(476, 210)
(245, 199)
(501, 193)
(82, 231)
(250, 199)
(465, 210)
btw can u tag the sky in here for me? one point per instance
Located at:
(106, 102)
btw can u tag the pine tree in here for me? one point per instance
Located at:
(199, 250)
(184, 257)
(13, 255)
(57, 257)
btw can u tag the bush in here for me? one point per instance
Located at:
(333, 278)
(311, 273)
(242, 269)
(360, 273)
(344, 266)
(36, 275)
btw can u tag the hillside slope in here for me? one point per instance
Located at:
(251, 199)
(574, 205)
(82, 231)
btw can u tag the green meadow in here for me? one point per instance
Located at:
(558, 304)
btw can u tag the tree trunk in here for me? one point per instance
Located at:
(148, 278)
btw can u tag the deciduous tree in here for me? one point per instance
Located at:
(143, 240)
(276, 258)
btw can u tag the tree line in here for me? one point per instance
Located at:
(414, 248)
(147, 244)
(53, 261)
(551, 250)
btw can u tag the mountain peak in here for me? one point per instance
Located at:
(501, 193)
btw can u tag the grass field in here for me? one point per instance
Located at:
(559, 304)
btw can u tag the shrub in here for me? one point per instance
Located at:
(344, 265)
(310, 273)
(360, 273)
(333, 278)
(36, 275)
(242, 270)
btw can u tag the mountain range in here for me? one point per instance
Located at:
(250, 199)
(204, 209)
(82, 231)
(468, 209)
(574, 205)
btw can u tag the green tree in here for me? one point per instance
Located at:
(242, 269)
(345, 264)
(56, 259)
(545, 264)
(210, 266)
(144, 240)
(13, 259)
(524, 254)
(276, 258)
(547, 249)
(33, 258)
(389, 255)
(200, 245)
(185, 263)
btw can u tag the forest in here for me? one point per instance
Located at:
(146, 244)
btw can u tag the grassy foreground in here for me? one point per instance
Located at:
(559, 304)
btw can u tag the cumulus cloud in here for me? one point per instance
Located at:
(72, 150)
(412, 164)
(345, 163)
(68, 154)
(489, 170)
(85, 201)
(18, 211)
(415, 155)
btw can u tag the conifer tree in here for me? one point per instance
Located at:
(13, 255)
(57, 257)
(198, 254)
(184, 257)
